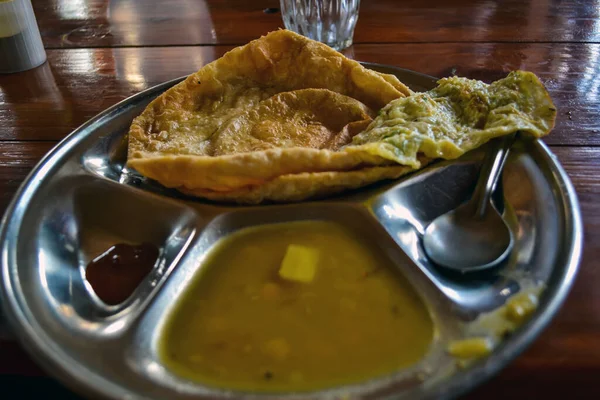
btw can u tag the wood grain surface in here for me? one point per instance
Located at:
(98, 23)
(102, 51)
(75, 84)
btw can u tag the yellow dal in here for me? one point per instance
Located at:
(240, 326)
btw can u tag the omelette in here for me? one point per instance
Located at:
(285, 118)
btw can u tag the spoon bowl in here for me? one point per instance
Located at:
(474, 236)
(461, 242)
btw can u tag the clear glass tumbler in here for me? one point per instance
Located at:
(329, 21)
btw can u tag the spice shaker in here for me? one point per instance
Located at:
(21, 46)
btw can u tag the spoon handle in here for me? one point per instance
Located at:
(491, 171)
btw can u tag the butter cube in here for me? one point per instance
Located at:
(299, 264)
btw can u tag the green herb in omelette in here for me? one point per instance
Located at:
(457, 116)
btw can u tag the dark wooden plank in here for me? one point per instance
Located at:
(48, 102)
(35, 387)
(16, 161)
(93, 23)
(20, 363)
(564, 360)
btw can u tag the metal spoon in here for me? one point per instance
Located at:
(473, 236)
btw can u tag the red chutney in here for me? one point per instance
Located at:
(116, 273)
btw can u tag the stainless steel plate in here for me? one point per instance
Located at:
(80, 199)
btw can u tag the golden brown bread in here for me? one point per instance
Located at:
(247, 117)
(285, 118)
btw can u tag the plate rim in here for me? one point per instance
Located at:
(42, 350)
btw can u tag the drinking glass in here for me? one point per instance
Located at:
(329, 21)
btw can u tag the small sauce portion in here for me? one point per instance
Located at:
(116, 273)
(242, 325)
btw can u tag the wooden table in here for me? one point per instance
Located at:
(100, 52)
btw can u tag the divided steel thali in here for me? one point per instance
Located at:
(81, 198)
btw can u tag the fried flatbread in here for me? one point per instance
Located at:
(309, 118)
(285, 118)
(302, 186)
(186, 137)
